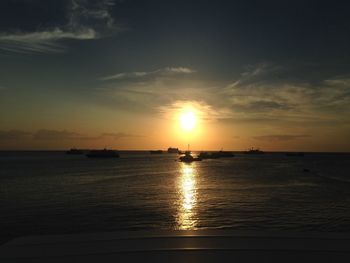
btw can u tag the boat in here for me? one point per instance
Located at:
(75, 151)
(188, 158)
(215, 155)
(156, 152)
(206, 155)
(254, 151)
(102, 154)
(173, 150)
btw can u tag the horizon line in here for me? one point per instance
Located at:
(147, 150)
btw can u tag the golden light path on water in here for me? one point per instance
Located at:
(187, 188)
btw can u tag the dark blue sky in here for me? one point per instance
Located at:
(285, 62)
(216, 36)
(223, 33)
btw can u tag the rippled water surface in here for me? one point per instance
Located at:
(51, 192)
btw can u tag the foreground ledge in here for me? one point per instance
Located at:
(179, 246)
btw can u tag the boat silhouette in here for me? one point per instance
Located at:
(188, 158)
(254, 151)
(75, 151)
(102, 154)
(215, 155)
(173, 150)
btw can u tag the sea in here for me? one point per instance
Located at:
(54, 193)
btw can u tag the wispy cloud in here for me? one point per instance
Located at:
(263, 93)
(258, 73)
(140, 74)
(86, 20)
(43, 41)
(269, 91)
(203, 110)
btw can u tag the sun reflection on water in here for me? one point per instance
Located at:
(187, 189)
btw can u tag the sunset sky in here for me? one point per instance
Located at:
(119, 74)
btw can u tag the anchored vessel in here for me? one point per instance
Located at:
(254, 151)
(75, 151)
(173, 150)
(188, 158)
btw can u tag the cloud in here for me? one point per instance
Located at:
(259, 106)
(263, 93)
(14, 135)
(43, 41)
(270, 92)
(280, 137)
(201, 109)
(159, 72)
(343, 81)
(258, 73)
(179, 70)
(162, 89)
(86, 20)
(89, 13)
(151, 95)
(337, 90)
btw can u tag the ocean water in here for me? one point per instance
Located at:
(55, 193)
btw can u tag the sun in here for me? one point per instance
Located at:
(188, 120)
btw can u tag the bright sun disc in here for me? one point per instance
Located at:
(188, 121)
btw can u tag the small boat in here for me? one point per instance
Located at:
(156, 152)
(75, 151)
(102, 154)
(188, 158)
(254, 151)
(173, 150)
(206, 155)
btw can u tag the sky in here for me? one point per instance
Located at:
(118, 74)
